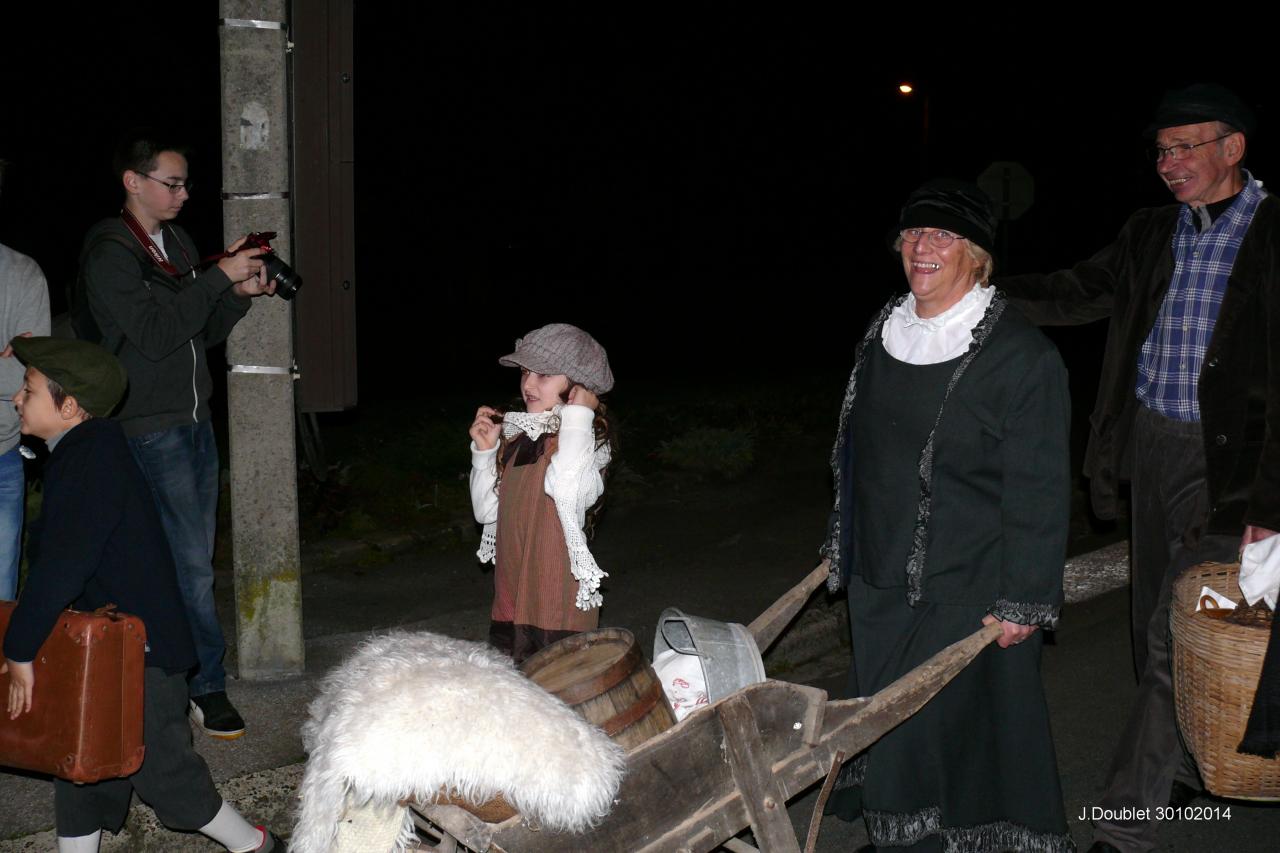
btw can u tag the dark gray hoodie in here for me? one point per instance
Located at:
(158, 325)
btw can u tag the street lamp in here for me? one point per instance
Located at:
(907, 89)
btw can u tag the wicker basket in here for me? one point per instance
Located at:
(1216, 666)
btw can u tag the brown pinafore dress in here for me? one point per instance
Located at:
(534, 587)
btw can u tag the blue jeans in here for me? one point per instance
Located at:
(12, 492)
(181, 466)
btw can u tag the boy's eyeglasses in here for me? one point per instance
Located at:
(173, 188)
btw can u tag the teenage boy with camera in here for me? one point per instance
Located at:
(144, 296)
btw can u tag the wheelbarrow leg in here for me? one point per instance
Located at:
(446, 844)
(815, 822)
(766, 806)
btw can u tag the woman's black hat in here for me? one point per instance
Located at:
(956, 206)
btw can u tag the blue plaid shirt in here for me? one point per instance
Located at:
(1170, 360)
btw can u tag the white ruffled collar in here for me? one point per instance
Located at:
(977, 296)
(928, 340)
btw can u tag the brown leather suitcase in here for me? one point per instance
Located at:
(85, 722)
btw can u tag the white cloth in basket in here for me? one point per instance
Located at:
(1260, 571)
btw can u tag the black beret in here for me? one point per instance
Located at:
(1202, 102)
(956, 206)
(86, 371)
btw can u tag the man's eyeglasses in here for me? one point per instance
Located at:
(938, 239)
(173, 188)
(1182, 149)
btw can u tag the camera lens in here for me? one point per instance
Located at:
(286, 279)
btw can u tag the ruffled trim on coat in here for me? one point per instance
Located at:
(1026, 613)
(831, 548)
(895, 829)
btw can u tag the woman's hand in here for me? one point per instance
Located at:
(22, 682)
(1013, 633)
(579, 396)
(484, 432)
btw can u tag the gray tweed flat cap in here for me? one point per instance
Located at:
(561, 348)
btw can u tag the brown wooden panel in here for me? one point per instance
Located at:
(324, 203)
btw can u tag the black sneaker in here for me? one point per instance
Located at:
(216, 717)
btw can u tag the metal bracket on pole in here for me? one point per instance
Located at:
(265, 370)
(245, 23)
(253, 196)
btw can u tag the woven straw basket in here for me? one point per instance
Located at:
(1216, 666)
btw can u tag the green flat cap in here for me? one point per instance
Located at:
(86, 371)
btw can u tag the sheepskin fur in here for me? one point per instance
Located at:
(410, 713)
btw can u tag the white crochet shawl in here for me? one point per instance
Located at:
(571, 494)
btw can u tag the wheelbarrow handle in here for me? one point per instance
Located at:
(766, 627)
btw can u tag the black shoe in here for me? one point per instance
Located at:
(271, 843)
(1182, 794)
(1103, 847)
(216, 717)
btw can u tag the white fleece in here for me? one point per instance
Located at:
(411, 713)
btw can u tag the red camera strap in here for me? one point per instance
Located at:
(144, 239)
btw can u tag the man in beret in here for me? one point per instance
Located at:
(1189, 385)
(99, 541)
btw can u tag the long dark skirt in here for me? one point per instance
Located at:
(974, 770)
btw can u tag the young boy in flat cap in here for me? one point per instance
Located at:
(98, 540)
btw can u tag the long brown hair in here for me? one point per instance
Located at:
(605, 432)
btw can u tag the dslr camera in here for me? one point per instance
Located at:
(286, 278)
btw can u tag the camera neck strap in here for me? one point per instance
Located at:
(149, 246)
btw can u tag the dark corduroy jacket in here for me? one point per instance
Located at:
(1239, 388)
(99, 541)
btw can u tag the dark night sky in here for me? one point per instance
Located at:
(706, 191)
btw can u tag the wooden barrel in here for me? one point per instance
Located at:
(604, 677)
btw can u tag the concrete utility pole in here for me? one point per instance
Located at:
(264, 487)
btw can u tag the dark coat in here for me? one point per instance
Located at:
(98, 541)
(1239, 395)
(995, 529)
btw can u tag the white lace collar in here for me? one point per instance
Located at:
(928, 340)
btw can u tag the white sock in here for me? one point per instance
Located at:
(232, 831)
(79, 843)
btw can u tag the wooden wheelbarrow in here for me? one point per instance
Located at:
(728, 766)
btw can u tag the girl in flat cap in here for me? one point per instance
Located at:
(537, 477)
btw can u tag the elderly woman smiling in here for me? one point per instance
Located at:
(951, 510)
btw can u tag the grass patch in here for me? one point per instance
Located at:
(728, 453)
